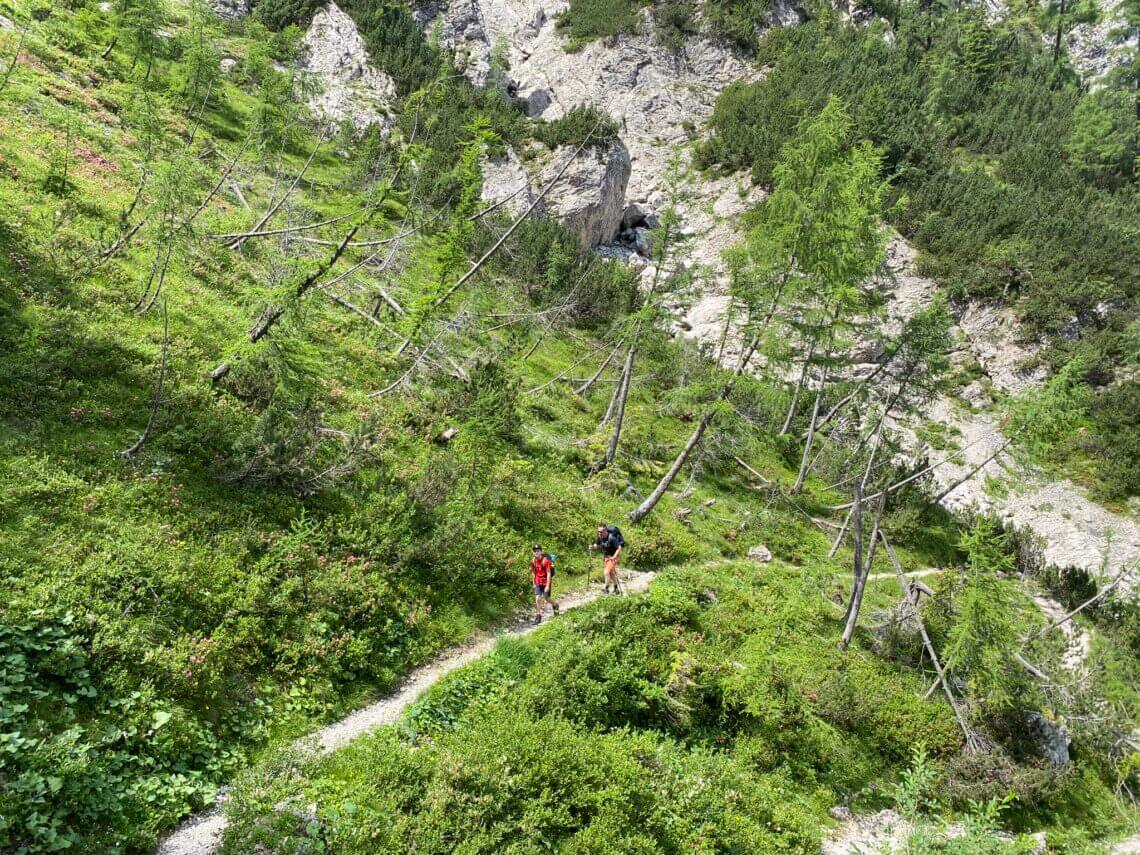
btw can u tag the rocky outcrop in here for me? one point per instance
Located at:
(1050, 738)
(1095, 49)
(589, 198)
(659, 96)
(349, 89)
(232, 10)
(507, 181)
(1074, 530)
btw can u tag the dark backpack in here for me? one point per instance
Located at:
(616, 532)
(553, 558)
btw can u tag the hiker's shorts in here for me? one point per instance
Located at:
(540, 591)
(611, 563)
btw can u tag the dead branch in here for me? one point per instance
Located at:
(287, 230)
(442, 299)
(751, 471)
(562, 374)
(262, 328)
(276, 206)
(972, 742)
(585, 387)
(497, 205)
(971, 473)
(910, 478)
(1094, 599)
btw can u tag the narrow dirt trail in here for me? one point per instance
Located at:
(201, 833)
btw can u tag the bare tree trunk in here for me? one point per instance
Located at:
(1095, 598)
(585, 387)
(856, 603)
(799, 388)
(619, 413)
(802, 475)
(643, 510)
(646, 507)
(273, 209)
(857, 519)
(908, 593)
(839, 537)
(262, 327)
(970, 474)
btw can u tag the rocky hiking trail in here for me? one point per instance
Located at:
(201, 833)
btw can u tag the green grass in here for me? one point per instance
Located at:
(173, 617)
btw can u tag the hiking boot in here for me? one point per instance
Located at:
(537, 619)
(555, 607)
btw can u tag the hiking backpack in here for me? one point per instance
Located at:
(616, 532)
(553, 559)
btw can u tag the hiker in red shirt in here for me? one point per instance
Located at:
(542, 576)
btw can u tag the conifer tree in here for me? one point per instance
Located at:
(817, 238)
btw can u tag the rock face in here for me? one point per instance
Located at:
(589, 199)
(506, 180)
(1052, 739)
(232, 9)
(351, 90)
(1094, 49)
(658, 96)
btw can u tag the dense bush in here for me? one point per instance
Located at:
(671, 721)
(586, 20)
(578, 125)
(549, 261)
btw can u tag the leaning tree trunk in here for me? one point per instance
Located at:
(972, 743)
(643, 510)
(802, 475)
(619, 412)
(862, 573)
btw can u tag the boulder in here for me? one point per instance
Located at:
(760, 554)
(589, 199)
(228, 64)
(351, 89)
(636, 216)
(537, 102)
(643, 240)
(1050, 738)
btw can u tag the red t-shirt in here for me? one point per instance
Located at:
(540, 570)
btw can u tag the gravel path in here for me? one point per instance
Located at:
(201, 834)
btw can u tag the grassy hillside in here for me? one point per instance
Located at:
(712, 714)
(227, 509)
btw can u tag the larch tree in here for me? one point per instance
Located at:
(816, 238)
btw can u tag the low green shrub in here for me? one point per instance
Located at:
(586, 20)
(581, 124)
